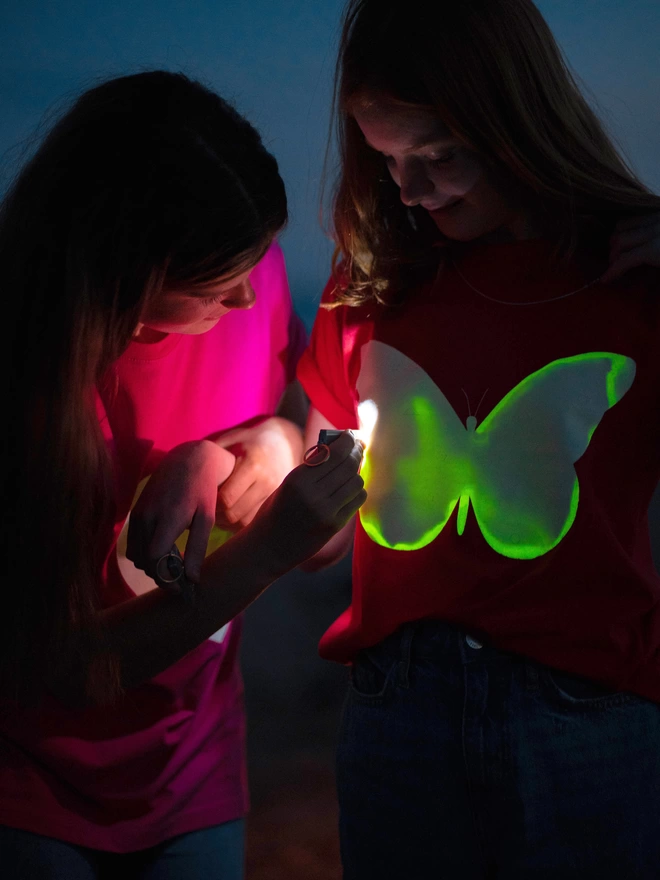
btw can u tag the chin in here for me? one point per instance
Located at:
(458, 234)
(465, 231)
(202, 328)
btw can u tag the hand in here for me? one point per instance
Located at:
(265, 452)
(180, 495)
(311, 505)
(636, 242)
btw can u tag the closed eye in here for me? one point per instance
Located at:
(440, 160)
(212, 300)
(443, 160)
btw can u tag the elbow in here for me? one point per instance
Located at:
(333, 552)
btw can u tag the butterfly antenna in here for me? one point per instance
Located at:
(481, 401)
(467, 399)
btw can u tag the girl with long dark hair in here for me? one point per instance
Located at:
(493, 317)
(151, 336)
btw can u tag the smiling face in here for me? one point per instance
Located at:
(193, 312)
(434, 170)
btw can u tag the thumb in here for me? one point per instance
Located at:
(198, 539)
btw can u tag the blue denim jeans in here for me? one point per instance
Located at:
(460, 761)
(215, 853)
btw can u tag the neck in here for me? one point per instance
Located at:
(146, 334)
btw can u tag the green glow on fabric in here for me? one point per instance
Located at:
(544, 542)
(514, 470)
(365, 467)
(463, 507)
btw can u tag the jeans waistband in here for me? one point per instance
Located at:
(443, 642)
(433, 639)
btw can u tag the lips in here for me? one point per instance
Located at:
(444, 207)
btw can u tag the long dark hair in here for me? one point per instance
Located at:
(148, 181)
(493, 73)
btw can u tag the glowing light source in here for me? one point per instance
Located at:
(367, 417)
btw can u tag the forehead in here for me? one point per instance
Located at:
(222, 284)
(406, 126)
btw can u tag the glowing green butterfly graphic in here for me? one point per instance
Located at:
(515, 468)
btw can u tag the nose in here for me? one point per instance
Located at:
(414, 185)
(240, 297)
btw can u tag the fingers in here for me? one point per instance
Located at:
(240, 481)
(198, 539)
(245, 508)
(338, 487)
(166, 533)
(352, 506)
(341, 449)
(348, 491)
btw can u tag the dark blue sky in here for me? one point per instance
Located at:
(275, 60)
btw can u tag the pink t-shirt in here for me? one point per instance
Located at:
(170, 758)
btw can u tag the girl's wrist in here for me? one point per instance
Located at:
(255, 554)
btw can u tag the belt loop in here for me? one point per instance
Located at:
(403, 666)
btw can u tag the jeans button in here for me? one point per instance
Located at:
(473, 643)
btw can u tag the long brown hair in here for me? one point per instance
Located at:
(494, 74)
(149, 180)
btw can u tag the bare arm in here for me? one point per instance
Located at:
(149, 633)
(340, 544)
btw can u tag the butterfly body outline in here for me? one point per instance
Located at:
(514, 469)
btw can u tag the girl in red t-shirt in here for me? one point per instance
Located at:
(504, 635)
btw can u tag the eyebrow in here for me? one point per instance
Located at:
(425, 142)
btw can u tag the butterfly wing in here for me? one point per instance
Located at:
(525, 490)
(417, 462)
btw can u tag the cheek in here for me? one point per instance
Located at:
(393, 171)
(178, 314)
(467, 177)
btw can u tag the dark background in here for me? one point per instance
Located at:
(275, 61)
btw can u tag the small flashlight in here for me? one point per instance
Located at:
(327, 435)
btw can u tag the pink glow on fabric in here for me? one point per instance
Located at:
(171, 758)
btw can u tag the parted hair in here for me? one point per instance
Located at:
(148, 181)
(494, 74)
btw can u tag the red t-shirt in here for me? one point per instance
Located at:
(170, 757)
(512, 463)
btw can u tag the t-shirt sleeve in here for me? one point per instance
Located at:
(323, 368)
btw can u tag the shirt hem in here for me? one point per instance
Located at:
(124, 841)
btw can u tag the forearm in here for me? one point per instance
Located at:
(149, 633)
(337, 548)
(340, 544)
